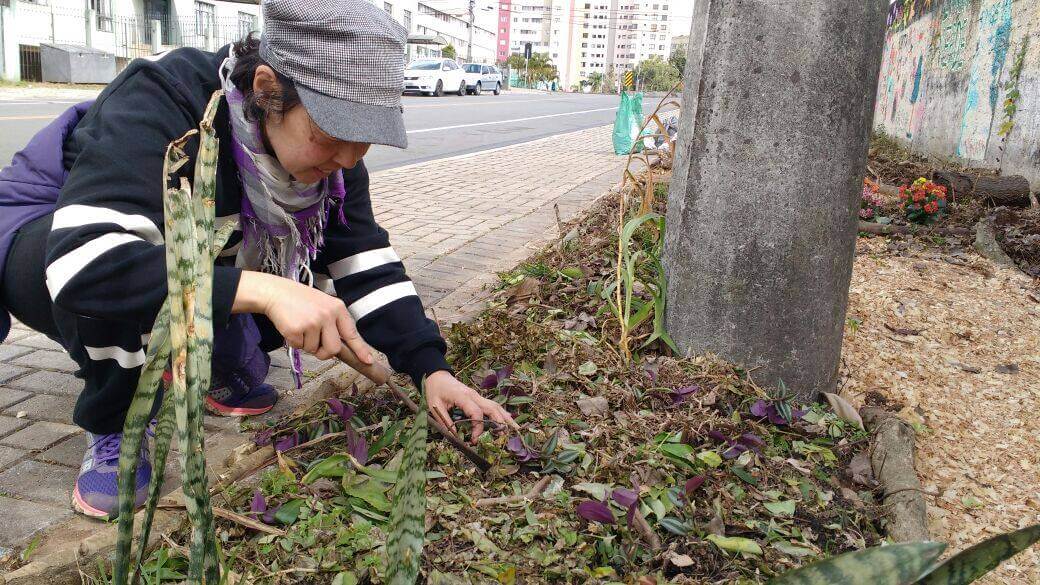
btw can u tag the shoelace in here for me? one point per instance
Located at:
(106, 447)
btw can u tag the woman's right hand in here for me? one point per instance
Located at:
(307, 318)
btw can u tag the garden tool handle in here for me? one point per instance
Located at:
(381, 374)
(376, 371)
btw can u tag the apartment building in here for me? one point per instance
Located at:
(444, 21)
(123, 28)
(586, 37)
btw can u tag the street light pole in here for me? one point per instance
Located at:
(472, 17)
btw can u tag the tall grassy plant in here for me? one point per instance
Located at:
(182, 332)
(635, 263)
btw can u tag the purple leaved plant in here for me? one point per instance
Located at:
(680, 395)
(594, 511)
(739, 445)
(286, 442)
(357, 445)
(495, 380)
(519, 450)
(262, 438)
(344, 411)
(769, 410)
(258, 508)
(693, 484)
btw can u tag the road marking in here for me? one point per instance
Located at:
(41, 102)
(425, 130)
(483, 102)
(13, 118)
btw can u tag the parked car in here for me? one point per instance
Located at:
(481, 77)
(434, 77)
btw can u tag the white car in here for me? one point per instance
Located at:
(480, 77)
(434, 77)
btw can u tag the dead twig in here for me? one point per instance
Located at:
(534, 493)
(231, 516)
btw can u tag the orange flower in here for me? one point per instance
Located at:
(918, 195)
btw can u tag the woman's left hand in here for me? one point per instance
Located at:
(443, 392)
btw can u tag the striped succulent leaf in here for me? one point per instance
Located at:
(897, 564)
(183, 330)
(970, 564)
(408, 517)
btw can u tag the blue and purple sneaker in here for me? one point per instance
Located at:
(242, 392)
(97, 489)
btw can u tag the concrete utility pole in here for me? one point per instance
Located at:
(762, 210)
(472, 19)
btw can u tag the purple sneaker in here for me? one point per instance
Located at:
(242, 392)
(97, 490)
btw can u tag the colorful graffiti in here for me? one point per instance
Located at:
(980, 105)
(951, 40)
(944, 76)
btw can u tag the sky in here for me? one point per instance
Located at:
(682, 11)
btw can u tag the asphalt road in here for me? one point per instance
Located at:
(437, 127)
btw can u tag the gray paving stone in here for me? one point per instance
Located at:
(9, 372)
(49, 360)
(10, 424)
(45, 407)
(281, 378)
(40, 341)
(9, 455)
(9, 352)
(39, 435)
(50, 383)
(68, 452)
(9, 396)
(40, 482)
(23, 519)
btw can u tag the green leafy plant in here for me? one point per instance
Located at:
(1013, 93)
(642, 265)
(448, 52)
(913, 563)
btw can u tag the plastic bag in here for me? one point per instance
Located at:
(628, 121)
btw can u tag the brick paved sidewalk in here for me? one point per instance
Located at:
(455, 223)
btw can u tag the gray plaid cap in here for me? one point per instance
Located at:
(346, 58)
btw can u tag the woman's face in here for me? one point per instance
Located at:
(302, 148)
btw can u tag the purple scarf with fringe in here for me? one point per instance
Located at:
(283, 221)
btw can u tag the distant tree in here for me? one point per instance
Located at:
(539, 68)
(656, 74)
(448, 52)
(678, 60)
(596, 80)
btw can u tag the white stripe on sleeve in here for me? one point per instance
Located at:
(64, 269)
(380, 298)
(323, 283)
(72, 216)
(126, 359)
(362, 262)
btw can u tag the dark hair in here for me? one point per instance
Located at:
(259, 107)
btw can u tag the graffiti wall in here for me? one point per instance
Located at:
(961, 78)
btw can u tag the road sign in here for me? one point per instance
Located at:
(527, 50)
(630, 80)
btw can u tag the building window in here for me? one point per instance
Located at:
(103, 9)
(203, 18)
(246, 24)
(407, 20)
(389, 8)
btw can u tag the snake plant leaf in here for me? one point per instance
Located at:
(970, 564)
(897, 564)
(408, 517)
